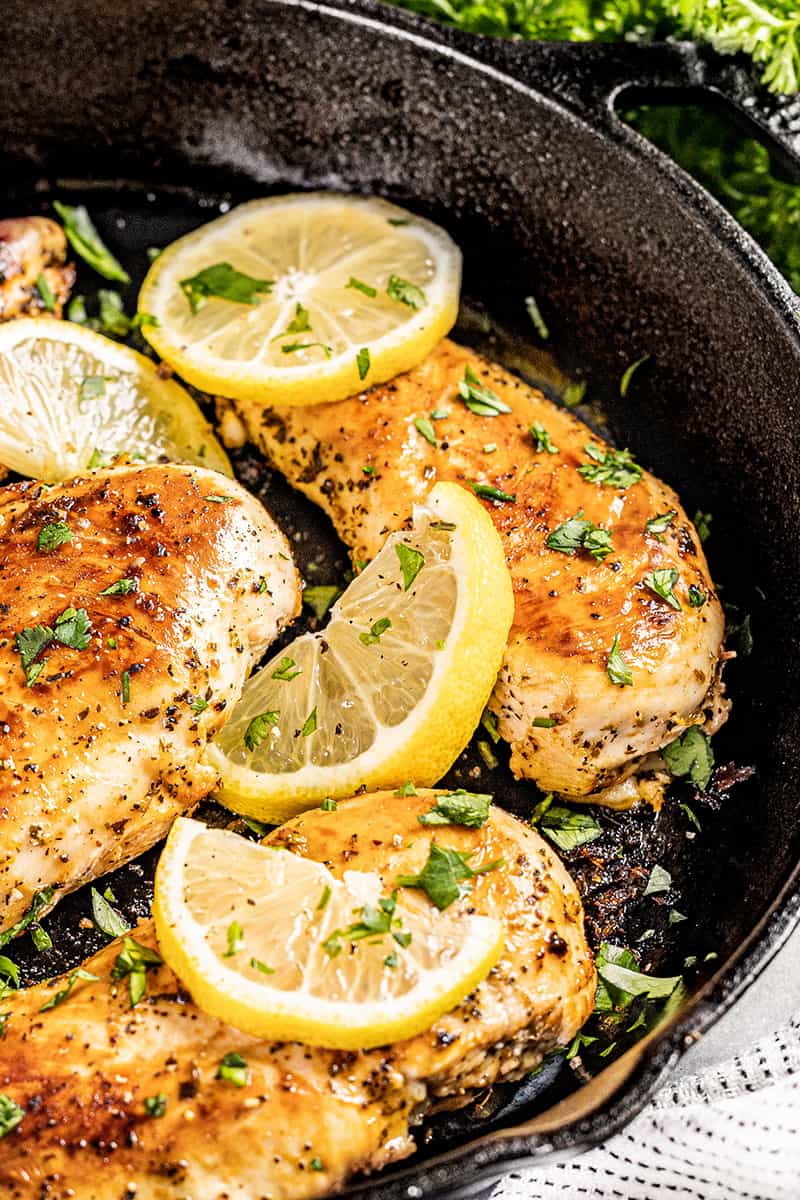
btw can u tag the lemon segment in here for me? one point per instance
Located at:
(346, 292)
(245, 927)
(393, 688)
(71, 398)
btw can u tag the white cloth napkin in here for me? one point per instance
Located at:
(731, 1132)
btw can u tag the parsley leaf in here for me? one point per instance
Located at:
(534, 312)
(226, 283)
(259, 728)
(363, 363)
(235, 937)
(403, 292)
(628, 374)
(459, 808)
(321, 598)
(121, 588)
(10, 1114)
(617, 669)
(66, 991)
(702, 523)
(691, 754)
(155, 1106)
(657, 526)
(86, 242)
(662, 583)
(424, 426)
(566, 829)
(578, 533)
(542, 439)
(45, 292)
(411, 563)
(614, 468)
(293, 347)
(132, 963)
(233, 1069)
(310, 723)
(442, 878)
(660, 881)
(359, 286)
(697, 596)
(622, 981)
(72, 629)
(40, 900)
(287, 669)
(376, 632)
(106, 917)
(489, 492)
(479, 398)
(52, 536)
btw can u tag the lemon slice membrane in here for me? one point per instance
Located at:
(257, 934)
(347, 291)
(393, 687)
(71, 399)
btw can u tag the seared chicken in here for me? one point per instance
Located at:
(306, 1119)
(571, 728)
(134, 602)
(32, 250)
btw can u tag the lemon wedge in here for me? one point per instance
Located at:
(302, 298)
(71, 399)
(256, 935)
(393, 687)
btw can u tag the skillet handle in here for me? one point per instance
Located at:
(590, 77)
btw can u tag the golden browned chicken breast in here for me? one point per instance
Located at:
(32, 250)
(117, 1098)
(602, 556)
(134, 602)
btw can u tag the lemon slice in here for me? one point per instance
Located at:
(393, 687)
(344, 292)
(256, 934)
(71, 398)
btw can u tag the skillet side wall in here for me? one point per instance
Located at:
(252, 96)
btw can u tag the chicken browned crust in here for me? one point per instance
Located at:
(366, 463)
(307, 1118)
(100, 747)
(33, 249)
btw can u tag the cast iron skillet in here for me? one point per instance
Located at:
(154, 110)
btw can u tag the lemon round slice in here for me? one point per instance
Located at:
(393, 687)
(71, 399)
(256, 934)
(302, 298)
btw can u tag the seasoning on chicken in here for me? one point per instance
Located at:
(602, 555)
(35, 276)
(168, 1098)
(135, 601)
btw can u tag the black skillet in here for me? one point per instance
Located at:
(153, 111)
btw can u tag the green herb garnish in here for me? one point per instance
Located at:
(10, 1114)
(702, 523)
(424, 426)
(566, 829)
(92, 386)
(86, 242)
(310, 723)
(691, 754)
(73, 629)
(479, 398)
(363, 363)
(121, 588)
(66, 991)
(320, 599)
(359, 286)
(225, 283)
(662, 583)
(660, 881)
(233, 1069)
(657, 526)
(45, 292)
(287, 670)
(578, 533)
(697, 596)
(489, 492)
(52, 536)
(403, 292)
(106, 918)
(259, 728)
(411, 563)
(536, 317)
(155, 1106)
(628, 374)
(444, 874)
(132, 963)
(616, 667)
(376, 632)
(614, 468)
(542, 440)
(459, 808)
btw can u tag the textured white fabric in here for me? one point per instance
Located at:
(730, 1133)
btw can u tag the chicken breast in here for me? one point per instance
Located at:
(32, 250)
(307, 1119)
(134, 602)
(571, 727)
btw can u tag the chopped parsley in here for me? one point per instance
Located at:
(658, 526)
(258, 965)
(543, 722)
(662, 583)
(40, 900)
(235, 938)
(106, 918)
(224, 282)
(316, 1164)
(489, 723)
(702, 523)
(45, 292)
(310, 723)
(536, 317)
(440, 414)
(132, 963)
(621, 981)
(41, 938)
(218, 499)
(444, 874)
(691, 754)
(293, 347)
(566, 829)
(319, 599)
(233, 1069)
(542, 440)
(374, 922)
(479, 398)
(424, 426)
(617, 669)
(10, 1114)
(403, 292)
(360, 286)
(614, 468)
(112, 317)
(573, 393)
(697, 596)
(259, 728)
(660, 881)
(627, 376)
(66, 991)
(300, 322)
(459, 808)
(198, 705)
(155, 1106)
(86, 242)
(329, 804)
(52, 536)
(121, 588)
(363, 363)
(326, 894)
(376, 632)
(411, 563)
(126, 688)
(73, 629)
(578, 533)
(287, 670)
(407, 789)
(489, 492)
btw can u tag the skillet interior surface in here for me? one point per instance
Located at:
(192, 105)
